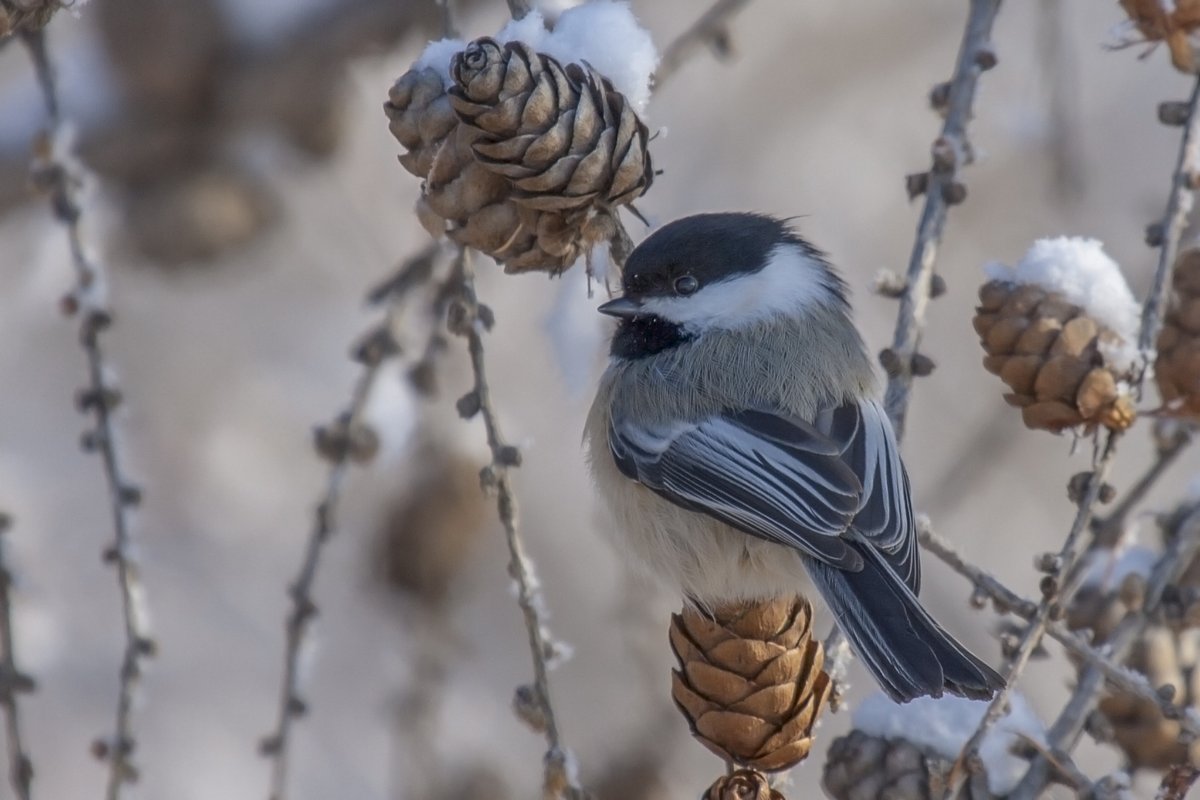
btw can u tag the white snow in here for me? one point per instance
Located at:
(607, 36)
(437, 55)
(1079, 270)
(1110, 568)
(944, 725)
(577, 333)
(602, 33)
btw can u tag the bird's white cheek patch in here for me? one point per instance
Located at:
(790, 282)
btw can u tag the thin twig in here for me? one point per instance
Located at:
(470, 319)
(519, 8)
(950, 151)
(1070, 722)
(1067, 729)
(63, 179)
(709, 30)
(1108, 530)
(12, 683)
(1174, 220)
(1179, 202)
(348, 439)
(1004, 600)
(1053, 603)
(1177, 782)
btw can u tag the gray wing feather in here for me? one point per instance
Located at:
(885, 517)
(776, 478)
(782, 479)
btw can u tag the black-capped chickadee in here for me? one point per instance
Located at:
(736, 438)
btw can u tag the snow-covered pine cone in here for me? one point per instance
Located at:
(1049, 353)
(751, 681)
(563, 135)
(519, 153)
(1177, 368)
(1173, 23)
(1164, 654)
(860, 766)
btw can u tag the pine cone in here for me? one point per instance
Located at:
(1164, 655)
(26, 15)
(1172, 23)
(751, 683)
(1177, 368)
(563, 135)
(1048, 351)
(539, 148)
(744, 784)
(864, 767)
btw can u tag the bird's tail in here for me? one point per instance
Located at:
(909, 654)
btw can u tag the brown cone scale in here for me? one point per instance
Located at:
(742, 784)
(861, 766)
(1172, 23)
(1050, 355)
(562, 134)
(1177, 368)
(1165, 654)
(520, 155)
(751, 681)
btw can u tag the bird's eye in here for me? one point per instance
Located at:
(686, 284)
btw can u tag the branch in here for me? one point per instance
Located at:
(348, 439)
(1069, 726)
(1177, 782)
(12, 683)
(62, 179)
(1059, 592)
(1053, 603)
(710, 29)
(1170, 229)
(1108, 531)
(470, 319)
(1004, 600)
(517, 9)
(950, 150)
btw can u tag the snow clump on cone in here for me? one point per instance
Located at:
(530, 141)
(1060, 329)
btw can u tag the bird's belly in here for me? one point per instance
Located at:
(702, 558)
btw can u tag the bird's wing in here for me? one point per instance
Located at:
(775, 477)
(885, 514)
(785, 480)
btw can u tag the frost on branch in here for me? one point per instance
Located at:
(1059, 329)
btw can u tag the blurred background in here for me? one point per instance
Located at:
(247, 196)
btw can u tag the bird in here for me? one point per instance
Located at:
(737, 441)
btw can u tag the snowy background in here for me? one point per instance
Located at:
(229, 362)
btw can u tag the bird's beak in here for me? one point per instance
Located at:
(623, 307)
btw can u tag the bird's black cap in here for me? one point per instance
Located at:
(709, 247)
